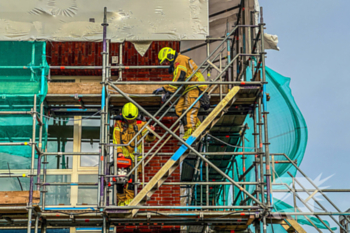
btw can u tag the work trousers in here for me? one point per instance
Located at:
(191, 119)
(126, 192)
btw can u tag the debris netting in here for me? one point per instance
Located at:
(287, 134)
(23, 71)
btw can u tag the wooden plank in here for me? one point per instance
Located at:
(18, 197)
(181, 152)
(96, 88)
(250, 220)
(290, 225)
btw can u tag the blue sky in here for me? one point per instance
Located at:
(314, 49)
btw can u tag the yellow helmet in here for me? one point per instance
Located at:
(166, 53)
(130, 111)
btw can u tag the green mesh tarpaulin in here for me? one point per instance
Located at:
(287, 134)
(287, 129)
(23, 71)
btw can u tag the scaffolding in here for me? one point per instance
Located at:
(250, 206)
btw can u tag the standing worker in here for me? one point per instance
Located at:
(125, 128)
(182, 68)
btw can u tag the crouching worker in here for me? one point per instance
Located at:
(182, 67)
(126, 126)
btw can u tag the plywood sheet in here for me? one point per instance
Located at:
(96, 88)
(18, 197)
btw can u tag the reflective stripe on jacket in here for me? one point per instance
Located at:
(124, 132)
(188, 66)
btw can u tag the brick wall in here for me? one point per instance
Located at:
(89, 54)
(167, 195)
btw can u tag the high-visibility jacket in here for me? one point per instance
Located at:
(124, 132)
(183, 69)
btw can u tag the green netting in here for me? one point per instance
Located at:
(23, 71)
(287, 134)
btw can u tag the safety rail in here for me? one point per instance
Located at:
(256, 201)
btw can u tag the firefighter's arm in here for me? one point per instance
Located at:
(150, 136)
(179, 75)
(117, 136)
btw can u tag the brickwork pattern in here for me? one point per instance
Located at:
(89, 54)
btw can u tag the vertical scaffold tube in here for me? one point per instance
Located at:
(260, 149)
(40, 144)
(103, 110)
(43, 61)
(120, 78)
(106, 126)
(266, 135)
(31, 185)
(207, 173)
(243, 162)
(36, 224)
(45, 159)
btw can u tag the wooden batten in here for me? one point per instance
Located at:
(96, 88)
(18, 197)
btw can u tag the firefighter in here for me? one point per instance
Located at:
(182, 68)
(126, 126)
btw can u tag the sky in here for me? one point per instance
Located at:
(313, 39)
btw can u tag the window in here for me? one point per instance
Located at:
(87, 195)
(60, 139)
(58, 195)
(90, 142)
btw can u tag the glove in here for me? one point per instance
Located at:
(166, 96)
(159, 90)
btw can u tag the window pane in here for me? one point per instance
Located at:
(60, 139)
(88, 160)
(90, 142)
(87, 195)
(57, 195)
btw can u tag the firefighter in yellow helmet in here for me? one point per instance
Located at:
(126, 126)
(182, 68)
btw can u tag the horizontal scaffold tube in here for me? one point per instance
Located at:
(182, 207)
(313, 190)
(14, 144)
(15, 112)
(71, 153)
(166, 183)
(186, 83)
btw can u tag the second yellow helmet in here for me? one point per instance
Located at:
(166, 53)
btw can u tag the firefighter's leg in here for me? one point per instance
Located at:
(192, 114)
(130, 191)
(180, 108)
(121, 196)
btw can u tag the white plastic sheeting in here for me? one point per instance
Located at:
(80, 20)
(271, 42)
(218, 26)
(221, 24)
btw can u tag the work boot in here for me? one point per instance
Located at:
(127, 202)
(121, 203)
(188, 133)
